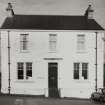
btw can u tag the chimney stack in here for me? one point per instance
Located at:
(9, 10)
(89, 12)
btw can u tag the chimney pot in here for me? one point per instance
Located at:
(89, 12)
(9, 10)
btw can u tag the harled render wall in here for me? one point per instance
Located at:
(39, 49)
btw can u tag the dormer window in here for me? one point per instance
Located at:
(24, 42)
(52, 42)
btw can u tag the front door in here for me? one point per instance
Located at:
(53, 79)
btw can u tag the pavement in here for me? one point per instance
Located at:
(25, 100)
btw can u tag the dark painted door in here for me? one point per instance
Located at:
(53, 79)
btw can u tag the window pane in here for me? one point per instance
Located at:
(81, 42)
(20, 68)
(24, 45)
(76, 70)
(85, 70)
(20, 77)
(52, 42)
(28, 70)
(29, 73)
(76, 74)
(84, 74)
(24, 41)
(20, 74)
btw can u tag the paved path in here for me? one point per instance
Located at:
(14, 100)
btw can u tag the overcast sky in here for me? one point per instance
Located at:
(59, 7)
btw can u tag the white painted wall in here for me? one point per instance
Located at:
(39, 49)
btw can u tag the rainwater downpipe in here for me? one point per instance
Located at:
(0, 57)
(96, 65)
(9, 80)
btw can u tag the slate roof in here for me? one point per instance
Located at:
(50, 22)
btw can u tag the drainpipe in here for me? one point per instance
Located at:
(96, 65)
(9, 80)
(0, 60)
(104, 71)
(104, 64)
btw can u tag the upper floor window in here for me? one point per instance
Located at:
(81, 42)
(24, 70)
(52, 42)
(24, 42)
(80, 71)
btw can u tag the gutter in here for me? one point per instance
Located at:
(44, 30)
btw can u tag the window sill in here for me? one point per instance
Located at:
(81, 52)
(81, 81)
(26, 51)
(52, 52)
(24, 81)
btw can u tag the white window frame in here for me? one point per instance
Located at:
(81, 43)
(25, 77)
(24, 42)
(81, 68)
(52, 43)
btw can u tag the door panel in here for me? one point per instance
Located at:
(53, 79)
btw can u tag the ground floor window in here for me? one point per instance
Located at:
(24, 70)
(80, 70)
(76, 70)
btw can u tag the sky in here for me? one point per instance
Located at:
(55, 7)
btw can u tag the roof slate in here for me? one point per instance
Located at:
(50, 22)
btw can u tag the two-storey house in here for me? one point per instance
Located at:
(51, 55)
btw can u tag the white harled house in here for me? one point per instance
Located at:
(51, 55)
